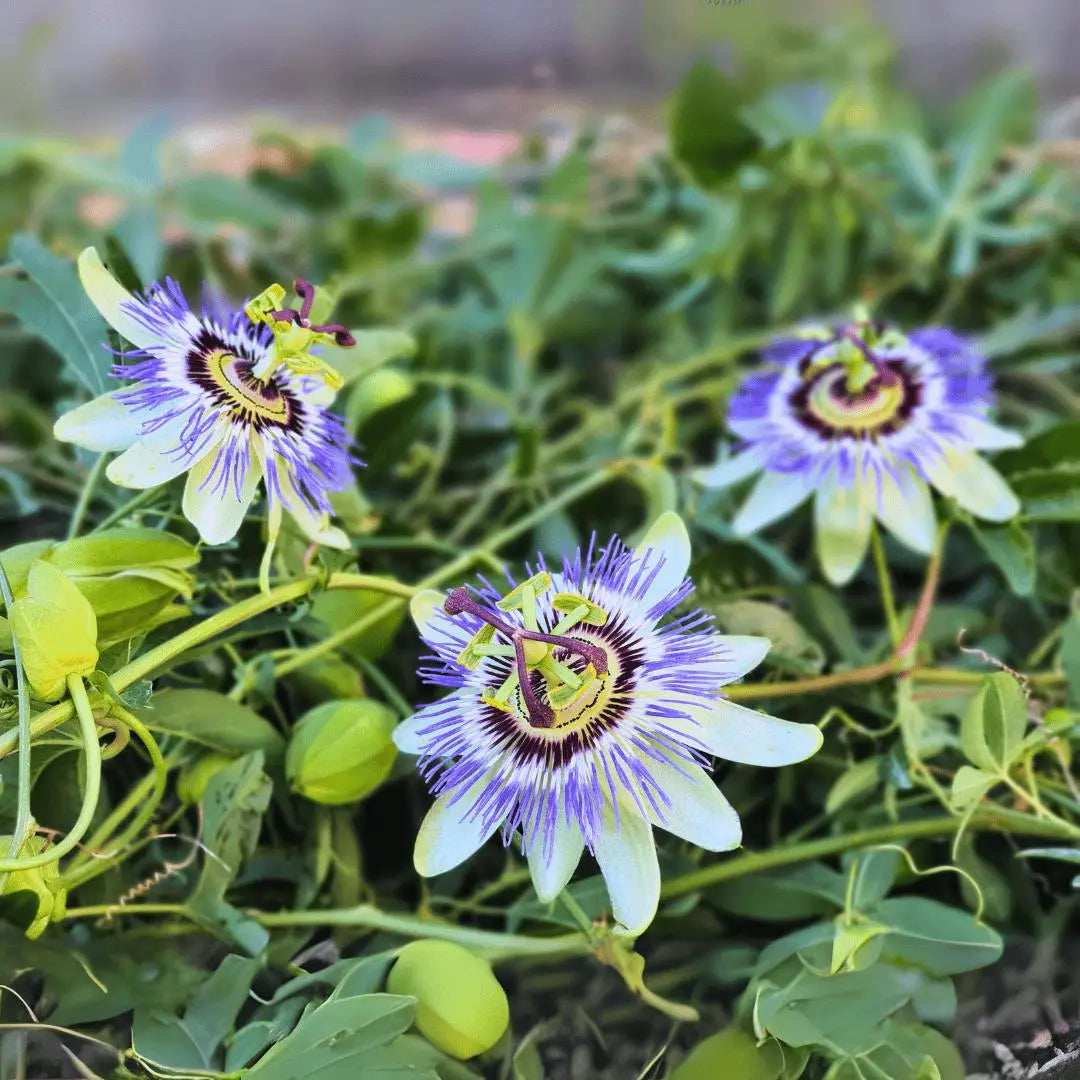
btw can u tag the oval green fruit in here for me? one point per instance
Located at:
(341, 751)
(460, 1006)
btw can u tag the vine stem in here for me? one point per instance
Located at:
(291, 591)
(85, 495)
(493, 944)
(755, 862)
(203, 631)
(23, 735)
(92, 751)
(897, 664)
(448, 572)
(888, 603)
(500, 946)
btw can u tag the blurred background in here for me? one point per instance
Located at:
(98, 65)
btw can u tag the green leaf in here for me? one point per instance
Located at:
(731, 1053)
(212, 198)
(336, 1037)
(374, 347)
(790, 644)
(939, 939)
(797, 893)
(1012, 550)
(994, 724)
(856, 780)
(53, 305)
(909, 1051)
(235, 801)
(1069, 657)
(707, 133)
(872, 874)
(214, 721)
(162, 1039)
(211, 1014)
(970, 786)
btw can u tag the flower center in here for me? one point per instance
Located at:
(557, 677)
(849, 391)
(248, 395)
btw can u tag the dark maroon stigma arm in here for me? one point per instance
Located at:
(341, 336)
(459, 600)
(541, 713)
(306, 291)
(592, 653)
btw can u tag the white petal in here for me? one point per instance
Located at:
(100, 425)
(730, 470)
(141, 467)
(774, 495)
(843, 516)
(984, 435)
(666, 539)
(740, 653)
(736, 733)
(907, 511)
(697, 811)
(109, 297)
(551, 874)
(407, 735)
(627, 856)
(214, 509)
(975, 485)
(448, 836)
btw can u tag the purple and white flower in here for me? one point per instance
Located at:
(579, 718)
(865, 419)
(230, 397)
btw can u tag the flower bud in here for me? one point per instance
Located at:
(341, 751)
(193, 779)
(460, 1006)
(56, 630)
(23, 885)
(131, 576)
(376, 391)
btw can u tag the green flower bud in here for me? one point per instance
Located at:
(23, 885)
(56, 630)
(341, 751)
(376, 391)
(131, 576)
(460, 1006)
(193, 779)
(327, 677)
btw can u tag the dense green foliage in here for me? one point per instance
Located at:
(555, 371)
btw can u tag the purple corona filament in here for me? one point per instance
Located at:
(306, 291)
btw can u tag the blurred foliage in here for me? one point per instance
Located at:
(522, 326)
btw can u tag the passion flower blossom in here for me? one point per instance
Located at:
(866, 419)
(579, 718)
(230, 397)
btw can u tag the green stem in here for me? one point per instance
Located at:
(496, 946)
(140, 499)
(23, 822)
(449, 572)
(143, 665)
(144, 798)
(885, 584)
(85, 495)
(755, 862)
(92, 750)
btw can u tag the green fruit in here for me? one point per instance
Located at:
(191, 785)
(460, 1006)
(39, 888)
(341, 751)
